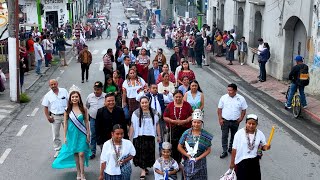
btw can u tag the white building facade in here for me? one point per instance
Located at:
(287, 25)
(55, 11)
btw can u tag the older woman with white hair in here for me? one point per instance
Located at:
(195, 146)
(247, 144)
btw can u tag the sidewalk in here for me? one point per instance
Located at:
(6, 106)
(272, 86)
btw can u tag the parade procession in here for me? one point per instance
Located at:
(159, 90)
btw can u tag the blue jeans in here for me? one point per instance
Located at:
(39, 63)
(93, 138)
(293, 89)
(263, 73)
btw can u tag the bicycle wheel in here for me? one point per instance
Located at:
(296, 109)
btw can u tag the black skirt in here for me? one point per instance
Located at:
(145, 151)
(248, 169)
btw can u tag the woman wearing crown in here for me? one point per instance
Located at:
(75, 151)
(195, 146)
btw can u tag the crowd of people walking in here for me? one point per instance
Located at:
(137, 106)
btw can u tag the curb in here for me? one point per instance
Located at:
(225, 65)
(309, 115)
(35, 81)
(8, 119)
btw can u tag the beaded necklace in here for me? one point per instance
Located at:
(175, 113)
(165, 163)
(251, 145)
(117, 151)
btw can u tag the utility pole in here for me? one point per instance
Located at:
(13, 47)
(39, 15)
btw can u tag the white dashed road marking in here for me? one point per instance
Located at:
(5, 155)
(103, 52)
(2, 117)
(4, 111)
(94, 52)
(24, 127)
(70, 60)
(34, 112)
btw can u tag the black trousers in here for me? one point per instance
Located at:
(85, 69)
(233, 127)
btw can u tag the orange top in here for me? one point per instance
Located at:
(30, 43)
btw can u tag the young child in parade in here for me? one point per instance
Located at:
(165, 168)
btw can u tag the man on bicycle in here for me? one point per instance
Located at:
(299, 77)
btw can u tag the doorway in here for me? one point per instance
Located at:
(221, 17)
(257, 28)
(52, 17)
(296, 43)
(214, 16)
(240, 23)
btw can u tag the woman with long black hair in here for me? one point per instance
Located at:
(144, 128)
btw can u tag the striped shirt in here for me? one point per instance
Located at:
(107, 61)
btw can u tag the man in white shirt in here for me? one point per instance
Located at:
(55, 103)
(39, 55)
(233, 33)
(94, 102)
(231, 111)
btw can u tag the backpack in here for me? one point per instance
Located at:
(303, 75)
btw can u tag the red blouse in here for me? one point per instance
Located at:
(171, 78)
(189, 74)
(186, 111)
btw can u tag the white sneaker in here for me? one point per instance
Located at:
(241, 64)
(56, 154)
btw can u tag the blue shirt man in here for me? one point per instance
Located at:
(126, 53)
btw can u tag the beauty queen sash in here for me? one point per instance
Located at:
(78, 123)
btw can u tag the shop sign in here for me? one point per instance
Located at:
(53, 1)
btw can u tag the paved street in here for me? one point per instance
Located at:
(26, 150)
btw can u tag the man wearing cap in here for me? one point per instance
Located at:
(231, 111)
(55, 103)
(298, 81)
(94, 102)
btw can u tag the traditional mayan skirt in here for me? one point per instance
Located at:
(248, 169)
(196, 171)
(145, 151)
(126, 171)
(176, 132)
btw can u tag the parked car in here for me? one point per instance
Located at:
(134, 19)
(129, 12)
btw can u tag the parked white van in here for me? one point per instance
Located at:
(129, 12)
